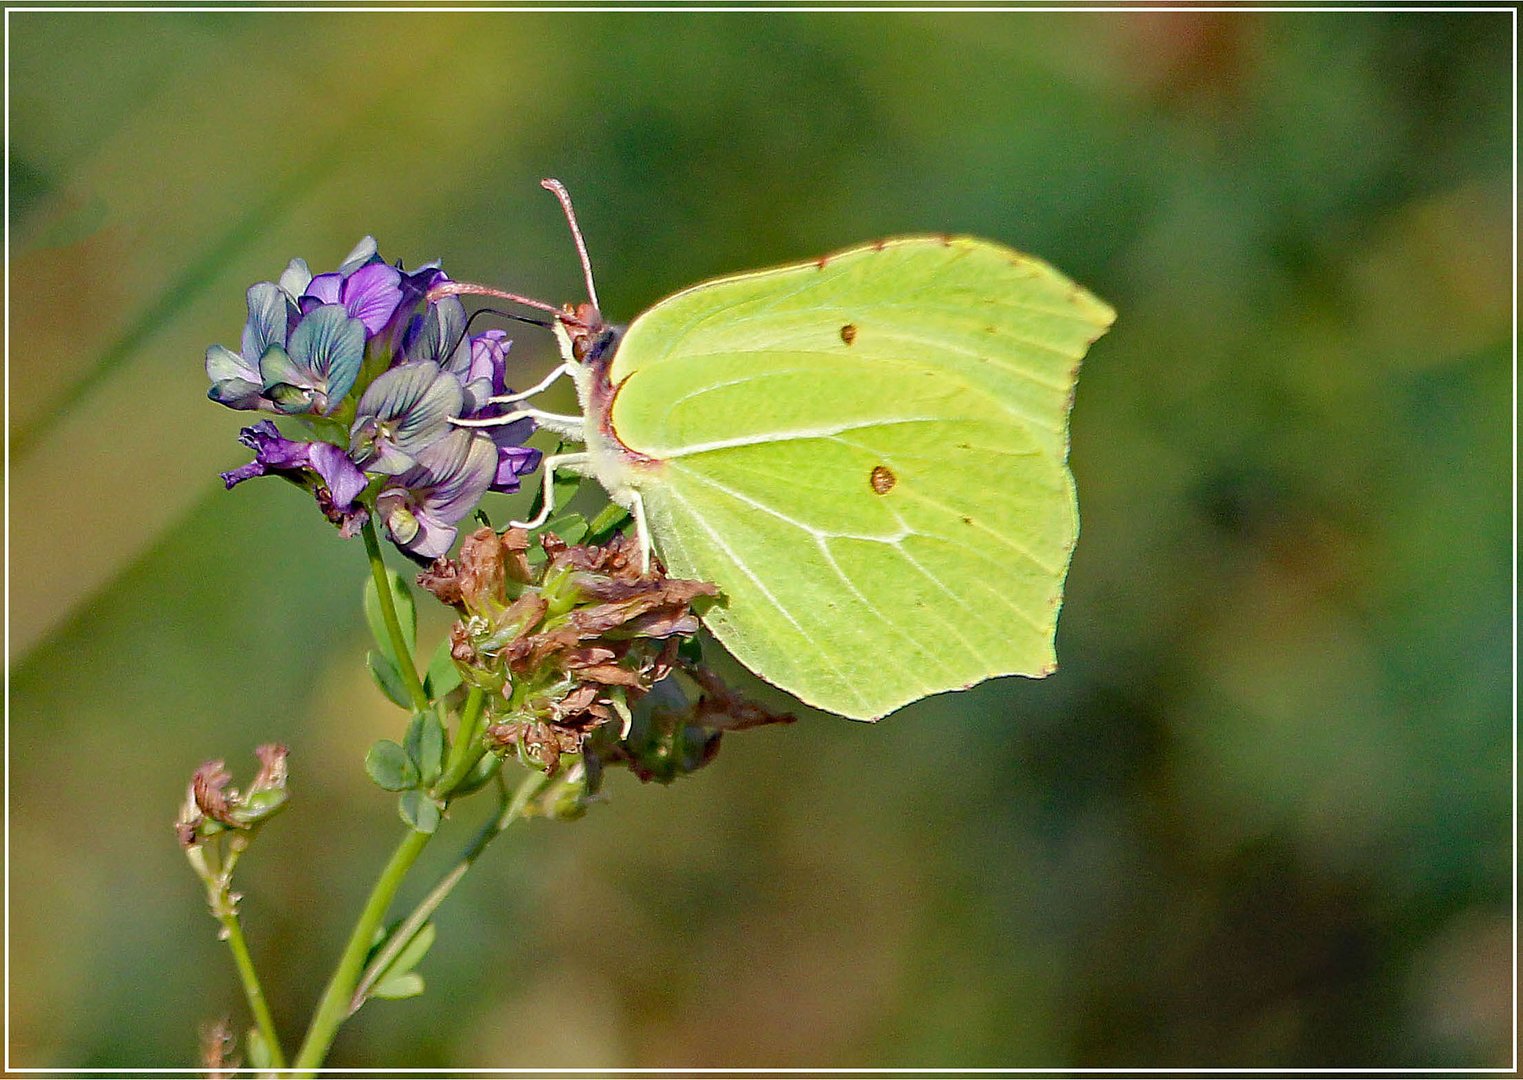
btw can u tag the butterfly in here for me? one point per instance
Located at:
(867, 452)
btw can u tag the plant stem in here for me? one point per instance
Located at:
(389, 617)
(467, 748)
(508, 812)
(251, 989)
(333, 1009)
(216, 872)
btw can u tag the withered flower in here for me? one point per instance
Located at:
(211, 807)
(219, 1061)
(570, 645)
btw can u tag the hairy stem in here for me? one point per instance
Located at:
(216, 873)
(389, 617)
(233, 932)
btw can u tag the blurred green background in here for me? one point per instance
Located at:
(1260, 817)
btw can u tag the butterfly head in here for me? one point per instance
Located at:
(592, 340)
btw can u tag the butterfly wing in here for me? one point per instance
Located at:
(868, 455)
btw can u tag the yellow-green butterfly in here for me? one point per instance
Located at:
(866, 452)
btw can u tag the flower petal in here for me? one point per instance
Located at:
(272, 451)
(286, 384)
(266, 325)
(343, 478)
(414, 402)
(371, 294)
(238, 394)
(400, 521)
(489, 359)
(223, 364)
(432, 538)
(513, 462)
(462, 466)
(364, 252)
(330, 345)
(324, 289)
(295, 279)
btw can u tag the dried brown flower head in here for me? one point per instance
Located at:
(570, 643)
(212, 807)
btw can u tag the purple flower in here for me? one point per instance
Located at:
(362, 346)
(236, 381)
(404, 411)
(326, 350)
(420, 507)
(512, 463)
(370, 294)
(290, 363)
(437, 334)
(320, 467)
(486, 370)
(485, 377)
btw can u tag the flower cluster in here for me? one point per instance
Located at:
(568, 645)
(376, 372)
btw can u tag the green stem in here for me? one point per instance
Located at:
(216, 872)
(389, 617)
(508, 812)
(333, 1009)
(251, 989)
(467, 749)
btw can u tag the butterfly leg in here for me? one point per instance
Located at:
(508, 399)
(567, 427)
(642, 530)
(570, 462)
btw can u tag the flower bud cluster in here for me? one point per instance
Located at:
(569, 644)
(376, 371)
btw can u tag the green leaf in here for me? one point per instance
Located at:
(411, 953)
(398, 987)
(390, 767)
(443, 676)
(566, 485)
(539, 491)
(387, 678)
(424, 743)
(419, 811)
(569, 527)
(610, 520)
(407, 615)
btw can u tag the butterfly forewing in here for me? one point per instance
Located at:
(867, 455)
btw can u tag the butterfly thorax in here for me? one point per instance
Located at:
(589, 344)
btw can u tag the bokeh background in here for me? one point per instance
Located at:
(1260, 817)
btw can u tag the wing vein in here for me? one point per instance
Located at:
(670, 454)
(822, 540)
(782, 610)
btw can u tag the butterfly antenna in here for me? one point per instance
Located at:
(558, 189)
